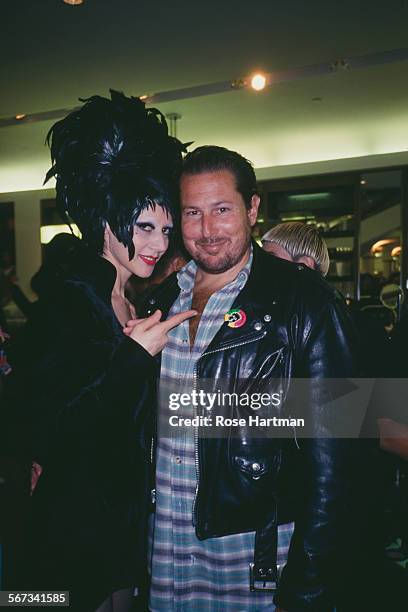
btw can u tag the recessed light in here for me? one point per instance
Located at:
(258, 82)
(73, 2)
(363, 182)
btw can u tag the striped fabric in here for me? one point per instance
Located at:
(189, 575)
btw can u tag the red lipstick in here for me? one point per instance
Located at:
(150, 261)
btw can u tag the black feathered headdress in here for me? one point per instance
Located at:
(111, 159)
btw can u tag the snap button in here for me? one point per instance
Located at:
(258, 326)
(267, 318)
(255, 467)
(177, 460)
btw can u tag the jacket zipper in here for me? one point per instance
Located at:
(196, 457)
(153, 490)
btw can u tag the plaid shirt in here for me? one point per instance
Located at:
(189, 575)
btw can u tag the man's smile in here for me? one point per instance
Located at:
(212, 248)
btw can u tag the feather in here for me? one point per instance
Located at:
(112, 158)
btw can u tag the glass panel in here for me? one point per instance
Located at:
(7, 261)
(380, 234)
(7, 237)
(331, 210)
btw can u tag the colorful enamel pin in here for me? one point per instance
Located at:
(235, 318)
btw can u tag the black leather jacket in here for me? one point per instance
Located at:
(80, 390)
(296, 326)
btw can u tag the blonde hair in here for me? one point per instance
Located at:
(300, 240)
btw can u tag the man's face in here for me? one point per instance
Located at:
(215, 222)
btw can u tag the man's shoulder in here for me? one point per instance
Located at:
(277, 276)
(159, 296)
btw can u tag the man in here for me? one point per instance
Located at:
(298, 242)
(218, 500)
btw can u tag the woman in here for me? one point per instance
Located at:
(85, 388)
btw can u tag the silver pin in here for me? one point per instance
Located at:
(267, 318)
(255, 467)
(258, 326)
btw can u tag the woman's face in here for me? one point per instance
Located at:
(150, 238)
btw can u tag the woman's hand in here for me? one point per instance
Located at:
(152, 334)
(36, 471)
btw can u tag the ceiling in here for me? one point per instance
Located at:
(53, 53)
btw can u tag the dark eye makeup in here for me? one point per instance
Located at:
(149, 227)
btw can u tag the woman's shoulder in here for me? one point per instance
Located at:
(70, 299)
(71, 311)
(73, 271)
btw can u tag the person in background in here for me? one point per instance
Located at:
(298, 242)
(80, 387)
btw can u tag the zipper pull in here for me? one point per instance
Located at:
(152, 451)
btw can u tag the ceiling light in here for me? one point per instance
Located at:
(20, 117)
(73, 2)
(363, 182)
(304, 218)
(305, 197)
(258, 82)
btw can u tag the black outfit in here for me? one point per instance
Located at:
(296, 326)
(81, 394)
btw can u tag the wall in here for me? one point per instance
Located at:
(27, 213)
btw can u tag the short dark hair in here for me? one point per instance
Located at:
(111, 160)
(211, 158)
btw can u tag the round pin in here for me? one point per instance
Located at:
(267, 318)
(235, 318)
